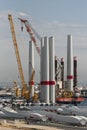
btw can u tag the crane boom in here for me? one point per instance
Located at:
(31, 32)
(17, 54)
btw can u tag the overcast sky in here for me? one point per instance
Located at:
(56, 18)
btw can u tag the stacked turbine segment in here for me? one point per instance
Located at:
(47, 90)
(31, 66)
(44, 94)
(52, 69)
(69, 63)
(42, 62)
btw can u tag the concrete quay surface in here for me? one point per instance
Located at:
(17, 125)
(21, 125)
(27, 127)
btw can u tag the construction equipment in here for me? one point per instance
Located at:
(28, 92)
(35, 97)
(31, 32)
(24, 92)
(16, 89)
(17, 55)
(67, 94)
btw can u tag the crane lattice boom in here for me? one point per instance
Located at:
(31, 32)
(17, 54)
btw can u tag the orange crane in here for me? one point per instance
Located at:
(17, 55)
(31, 32)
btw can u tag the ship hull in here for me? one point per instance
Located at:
(70, 100)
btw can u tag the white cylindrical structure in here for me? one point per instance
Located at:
(31, 66)
(42, 62)
(45, 71)
(69, 63)
(52, 69)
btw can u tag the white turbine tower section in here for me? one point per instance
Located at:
(52, 69)
(31, 65)
(69, 63)
(42, 62)
(45, 70)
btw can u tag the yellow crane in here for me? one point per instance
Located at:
(25, 92)
(17, 55)
(28, 92)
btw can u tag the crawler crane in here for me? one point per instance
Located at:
(24, 92)
(32, 34)
(17, 55)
